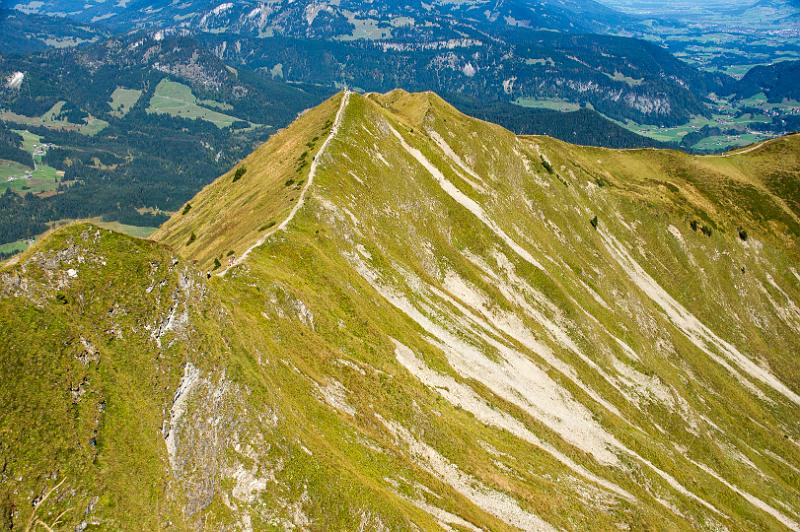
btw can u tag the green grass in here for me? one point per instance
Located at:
(760, 101)
(14, 247)
(619, 76)
(176, 99)
(91, 127)
(123, 100)
(668, 134)
(222, 106)
(29, 140)
(12, 169)
(723, 121)
(22, 179)
(725, 117)
(382, 251)
(135, 231)
(738, 71)
(726, 142)
(14, 177)
(367, 29)
(547, 103)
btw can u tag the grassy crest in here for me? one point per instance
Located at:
(459, 328)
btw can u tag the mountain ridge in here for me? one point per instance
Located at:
(429, 100)
(460, 328)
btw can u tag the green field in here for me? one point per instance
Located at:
(619, 76)
(29, 140)
(738, 71)
(547, 103)
(50, 120)
(760, 101)
(723, 121)
(123, 100)
(176, 99)
(221, 106)
(14, 247)
(130, 230)
(668, 134)
(367, 29)
(22, 179)
(726, 142)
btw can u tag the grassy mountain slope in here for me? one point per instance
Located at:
(273, 178)
(442, 334)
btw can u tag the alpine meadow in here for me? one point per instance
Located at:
(384, 266)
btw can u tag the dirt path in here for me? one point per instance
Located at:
(301, 201)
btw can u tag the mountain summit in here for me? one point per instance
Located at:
(393, 316)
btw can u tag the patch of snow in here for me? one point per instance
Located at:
(351, 365)
(335, 394)
(312, 10)
(519, 381)
(221, 8)
(445, 147)
(443, 517)
(511, 325)
(354, 176)
(627, 349)
(304, 314)
(247, 485)
(782, 460)
(515, 378)
(789, 312)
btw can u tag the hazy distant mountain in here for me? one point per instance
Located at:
(21, 33)
(486, 50)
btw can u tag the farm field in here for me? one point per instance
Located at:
(725, 119)
(177, 99)
(21, 179)
(760, 101)
(669, 134)
(726, 142)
